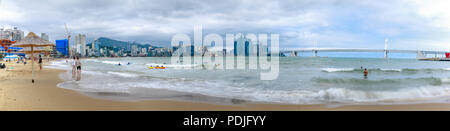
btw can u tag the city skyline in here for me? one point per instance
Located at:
(409, 24)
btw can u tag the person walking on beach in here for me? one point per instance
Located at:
(78, 64)
(74, 68)
(40, 62)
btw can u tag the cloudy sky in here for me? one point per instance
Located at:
(409, 24)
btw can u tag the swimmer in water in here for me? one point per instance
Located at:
(366, 73)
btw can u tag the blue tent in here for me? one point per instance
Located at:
(19, 54)
(10, 48)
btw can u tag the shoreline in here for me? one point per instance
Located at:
(150, 94)
(17, 93)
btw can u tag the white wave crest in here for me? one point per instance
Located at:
(123, 74)
(397, 70)
(337, 69)
(172, 65)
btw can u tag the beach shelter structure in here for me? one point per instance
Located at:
(32, 44)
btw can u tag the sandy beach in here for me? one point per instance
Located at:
(17, 93)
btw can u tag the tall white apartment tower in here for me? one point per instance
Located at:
(80, 44)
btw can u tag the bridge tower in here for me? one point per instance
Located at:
(294, 53)
(315, 49)
(386, 51)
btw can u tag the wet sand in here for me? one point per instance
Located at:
(17, 93)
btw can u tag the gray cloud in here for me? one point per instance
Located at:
(336, 23)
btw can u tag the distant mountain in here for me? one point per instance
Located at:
(111, 43)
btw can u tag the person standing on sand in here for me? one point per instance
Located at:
(74, 68)
(78, 64)
(40, 62)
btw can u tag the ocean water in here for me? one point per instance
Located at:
(301, 81)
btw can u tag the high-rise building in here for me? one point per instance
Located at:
(244, 46)
(255, 49)
(263, 50)
(239, 45)
(134, 50)
(144, 51)
(80, 44)
(44, 36)
(128, 46)
(96, 47)
(248, 48)
(12, 34)
(3, 34)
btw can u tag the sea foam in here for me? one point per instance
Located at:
(123, 74)
(338, 69)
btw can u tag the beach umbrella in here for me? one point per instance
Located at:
(32, 44)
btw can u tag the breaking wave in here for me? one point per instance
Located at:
(331, 70)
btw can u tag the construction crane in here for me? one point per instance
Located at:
(68, 39)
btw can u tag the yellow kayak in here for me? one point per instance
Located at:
(156, 67)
